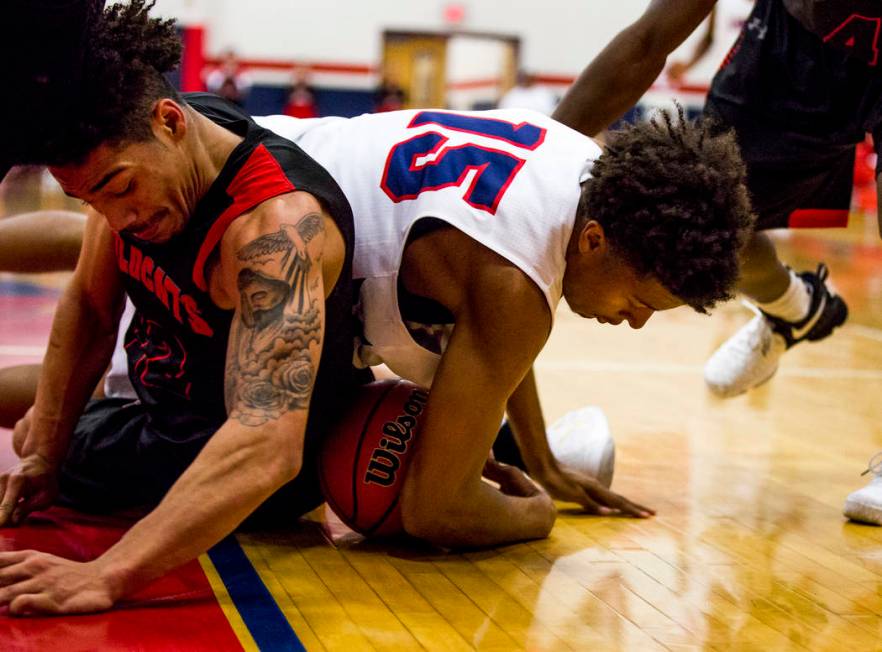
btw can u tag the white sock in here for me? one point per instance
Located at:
(794, 304)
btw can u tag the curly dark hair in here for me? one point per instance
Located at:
(670, 195)
(122, 60)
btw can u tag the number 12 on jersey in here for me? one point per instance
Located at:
(494, 169)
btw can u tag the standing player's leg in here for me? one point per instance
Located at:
(764, 278)
(798, 107)
(791, 307)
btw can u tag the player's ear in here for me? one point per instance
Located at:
(592, 238)
(169, 118)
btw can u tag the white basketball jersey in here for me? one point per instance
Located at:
(116, 382)
(510, 179)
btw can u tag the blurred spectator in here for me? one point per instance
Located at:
(301, 98)
(389, 95)
(229, 80)
(525, 94)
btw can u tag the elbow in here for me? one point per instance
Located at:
(282, 457)
(284, 471)
(287, 467)
(430, 516)
(432, 522)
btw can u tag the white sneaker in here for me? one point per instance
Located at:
(582, 441)
(865, 505)
(747, 359)
(750, 357)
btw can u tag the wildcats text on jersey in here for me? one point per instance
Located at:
(144, 270)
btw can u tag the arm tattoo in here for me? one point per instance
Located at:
(269, 363)
(310, 226)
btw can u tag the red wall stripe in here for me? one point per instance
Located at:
(279, 64)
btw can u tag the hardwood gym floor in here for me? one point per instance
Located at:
(749, 550)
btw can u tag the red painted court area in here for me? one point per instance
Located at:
(177, 612)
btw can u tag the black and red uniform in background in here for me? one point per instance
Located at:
(801, 86)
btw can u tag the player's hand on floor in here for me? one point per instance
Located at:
(34, 582)
(29, 485)
(572, 486)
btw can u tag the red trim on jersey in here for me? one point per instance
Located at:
(818, 218)
(439, 160)
(261, 178)
(418, 121)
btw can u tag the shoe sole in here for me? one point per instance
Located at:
(825, 328)
(724, 394)
(862, 513)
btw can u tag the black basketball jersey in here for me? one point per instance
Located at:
(810, 85)
(177, 342)
(850, 25)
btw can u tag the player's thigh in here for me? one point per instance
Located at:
(802, 192)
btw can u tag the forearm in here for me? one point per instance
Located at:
(224, 484)
(610, 85)
(626, 68)
(484, 516)
(528, 425)
(80, 346)
(444, 499)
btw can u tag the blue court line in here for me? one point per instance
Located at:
(14, 288)
(262, 616)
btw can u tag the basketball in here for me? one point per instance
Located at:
(365, 455)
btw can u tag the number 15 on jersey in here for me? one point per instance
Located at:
(424, 163)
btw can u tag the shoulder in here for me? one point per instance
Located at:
(284, 229)
(294, 222)
(666, 23)
(289, 210)
(496, 286)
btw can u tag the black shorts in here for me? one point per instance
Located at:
(117, 461)
(798, 108)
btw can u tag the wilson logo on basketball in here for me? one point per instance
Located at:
(385, 460)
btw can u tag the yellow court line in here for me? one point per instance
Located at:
(226, 604)
(308, 637)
